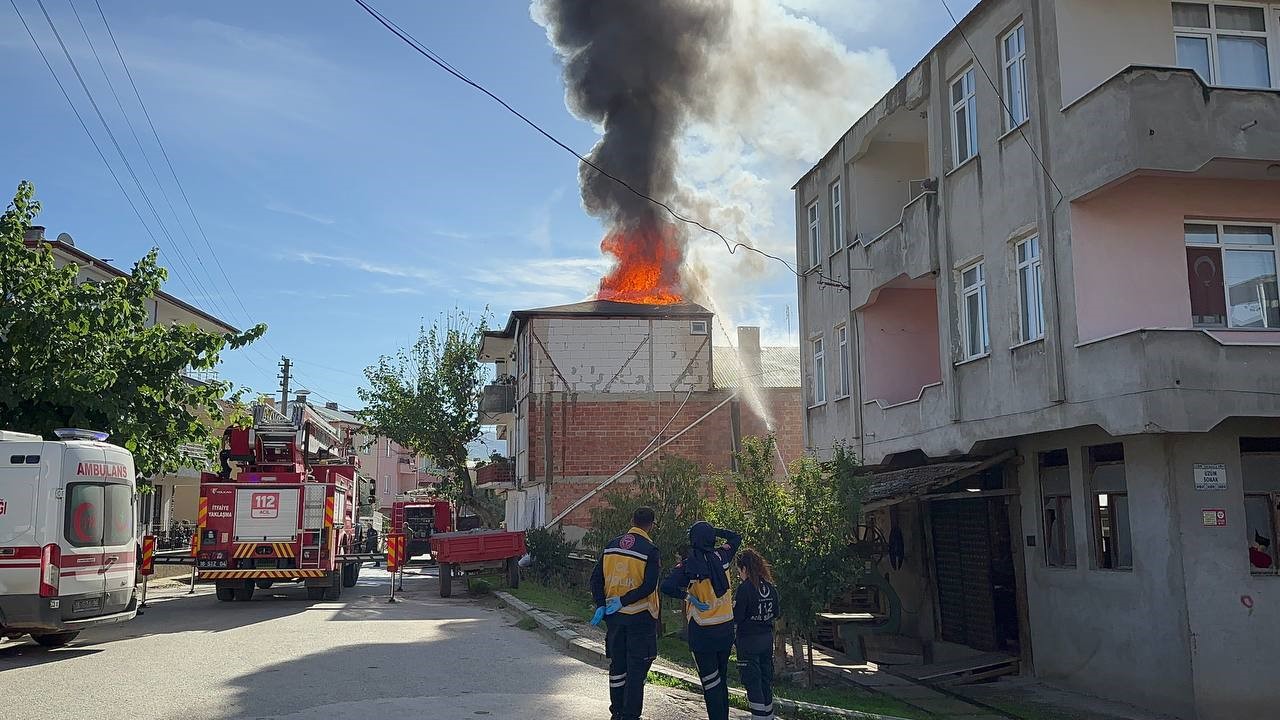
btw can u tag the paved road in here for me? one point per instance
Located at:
(280, 656)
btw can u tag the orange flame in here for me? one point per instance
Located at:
(647, 269)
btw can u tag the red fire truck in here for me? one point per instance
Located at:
(287, 516)
(419, 519)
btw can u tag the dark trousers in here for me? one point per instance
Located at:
(713, 668)
(756, 671)
(631, 645)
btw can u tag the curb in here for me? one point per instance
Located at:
(592, 652)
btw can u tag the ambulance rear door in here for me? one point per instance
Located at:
(97, 521)
(20, 543)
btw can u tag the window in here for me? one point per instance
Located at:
(815, 242)
(386, 484)
(819, 373)
(1030, 295)
(98, 514)
(964, 117)
(1058, 515)
(837, 222)
(1112, 546)
(842, 339)
(1260, 470)
(1231, 272)
(697, 327)
(1013, 50)
(973, 288)
(1226, 44)
(388, 449)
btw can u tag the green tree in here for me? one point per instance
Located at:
(83, 354)
(673, 486)
(427, 398)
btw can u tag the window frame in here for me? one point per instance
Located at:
(967, 79)
(108, 534)
(1272, 498)
(846, 375)
(1223, 247)
(815, 234)
(979, 290)
(1030, 264)
(818, 360)
(1212, 34)
(835, 195)
(1065, 533)
(1097, 550)
(1007, 63)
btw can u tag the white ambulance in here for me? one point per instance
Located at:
(67, 549)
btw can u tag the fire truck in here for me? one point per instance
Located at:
(288, 515)
(419, 519)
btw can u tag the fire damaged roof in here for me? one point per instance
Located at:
(894, 486)
(779, 368)
(604, 308)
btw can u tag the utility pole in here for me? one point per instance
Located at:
(285, 365)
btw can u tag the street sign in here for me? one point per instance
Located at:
(148, 565)
(395, 551)
(1210, 477)
(1213, 517)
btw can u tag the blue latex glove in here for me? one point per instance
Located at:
(613, 606)
(595, 619)
(697, 603)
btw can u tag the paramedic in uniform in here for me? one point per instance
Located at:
(702, 581)
(624, 585)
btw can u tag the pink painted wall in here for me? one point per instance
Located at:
(900, 352)
(1128, 255)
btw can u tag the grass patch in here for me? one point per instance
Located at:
(672, 649)
(527, 623)
(480, 587)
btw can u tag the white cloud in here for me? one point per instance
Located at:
(369, 266)
(398, 290)
(287, 210)
(516, 283)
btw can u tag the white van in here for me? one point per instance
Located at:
(67, 549)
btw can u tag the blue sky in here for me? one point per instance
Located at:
(351, 190)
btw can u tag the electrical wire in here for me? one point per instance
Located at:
(1000, 96)
(731, 246)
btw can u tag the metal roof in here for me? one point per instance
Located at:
(779, 368)
(894, 486)
(603, 308)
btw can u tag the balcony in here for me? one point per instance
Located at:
(499, 473)
(908, 249)
(498, 402)
(1165, 120)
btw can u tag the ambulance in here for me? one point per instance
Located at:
(67, 548)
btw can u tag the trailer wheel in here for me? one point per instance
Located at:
(446, 580)
(225, 593)
(513, 573)
(53, 640)
(245, 592)
(350, 574)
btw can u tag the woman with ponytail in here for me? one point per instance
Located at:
(754, 608)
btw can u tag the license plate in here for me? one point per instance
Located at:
(211, 564)
(86, 605)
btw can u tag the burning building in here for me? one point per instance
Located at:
(582, 390)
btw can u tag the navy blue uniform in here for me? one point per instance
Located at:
(628, 570)
(754, 610)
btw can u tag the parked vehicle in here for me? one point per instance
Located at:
(419, 520)
(67, 550)
(478, 552)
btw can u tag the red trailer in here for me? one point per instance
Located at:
(419, 519)
(477, 552)
(289, 516)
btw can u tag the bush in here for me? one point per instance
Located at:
(550, 552)
(673, 486)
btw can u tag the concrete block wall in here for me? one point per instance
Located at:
(619, 355)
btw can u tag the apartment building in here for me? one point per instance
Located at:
(1059, 346)
(583, 390)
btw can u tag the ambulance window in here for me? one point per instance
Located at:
(33, 459)
(119, 529)
(83, 524)
(16, 459)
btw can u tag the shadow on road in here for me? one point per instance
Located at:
(25, 653)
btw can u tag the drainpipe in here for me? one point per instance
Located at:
(851, 322)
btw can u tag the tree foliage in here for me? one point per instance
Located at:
(427, 398)
(84, 354)
(673, 486)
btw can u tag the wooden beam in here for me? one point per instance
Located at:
(965, 495)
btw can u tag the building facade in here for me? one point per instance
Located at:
(1059, 237)
(583, 390)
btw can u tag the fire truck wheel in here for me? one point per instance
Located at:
(52, 640)
(350, 574)
(245, 593)
(334, 591)
(225, 594)
(513, 573)
(264, 584)
(316, 593)
(446, 580)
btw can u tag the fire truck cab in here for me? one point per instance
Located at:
(67, 547)
(419, 519)
(288, 516)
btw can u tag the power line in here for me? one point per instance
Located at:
(999, 96)
(431, 55)
(92, 139)
(116, 143)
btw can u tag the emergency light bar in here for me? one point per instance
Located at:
(79, 434)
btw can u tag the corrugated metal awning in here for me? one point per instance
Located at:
(894, 486)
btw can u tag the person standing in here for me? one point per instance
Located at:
(755, 606)
(624, 586)
(371, 543)
(702, 581)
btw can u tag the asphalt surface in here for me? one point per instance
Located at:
(282, 656)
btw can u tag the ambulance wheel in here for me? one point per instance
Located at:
(245, 592)
(446, 580)
(53, 640)
(513, 573)
(350, 574)
(225, 594)
(264, 584)
(316, 593)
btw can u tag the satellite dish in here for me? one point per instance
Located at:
(66, 239)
